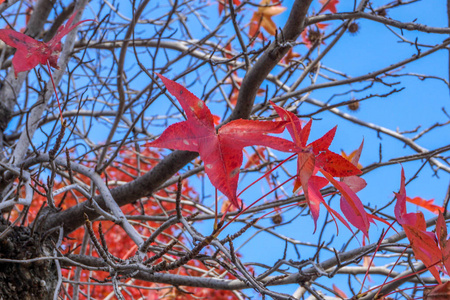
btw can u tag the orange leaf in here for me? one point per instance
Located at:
(289, 56)
(255, 158)
(263, 17)
(339, 292)
(216, 119)
(427, 204)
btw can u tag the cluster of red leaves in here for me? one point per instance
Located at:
(30, 52)
(119, 244)
(432, 248)
(316, 157)
(221, 153)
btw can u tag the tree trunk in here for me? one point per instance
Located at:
(29, 280)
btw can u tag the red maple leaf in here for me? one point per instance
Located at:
(316, 157)
(31, 52)
(441, 233)
(220, 151)
(224, 3)
(422, 242)
(329, 5)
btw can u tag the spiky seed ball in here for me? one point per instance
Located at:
(314, 35)
(277, 219)
(353, 28)
(382, 12)
(354, 106)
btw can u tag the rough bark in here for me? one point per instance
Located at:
(27, 280)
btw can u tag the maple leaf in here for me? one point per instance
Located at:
(329, 5)
(228, 54)
(220, 151)
(224, 3)
(316, 157)
(401, 214)
(427, 204)
(263, 18)
(31, 52)
(441, 233)
(422, 242)
(289, 56)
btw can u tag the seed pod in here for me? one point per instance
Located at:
(353, 28)
(277, 219)
(314, 35)
(382, 12)
(354, 106)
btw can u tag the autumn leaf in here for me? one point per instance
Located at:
(339, 292)
(316, 157)
(263, 18)
(289, 56)
(427, 204)
(440, 292)
(216, 119)
(351, 206)
(355, 183)
(220, 151)
(316, 154)
(227, 52)
(256, 158)
(443, 241)
(329, 5)
(422, 242)
(412, 219)
(353, 156)
(224, 3)
(31, 52)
